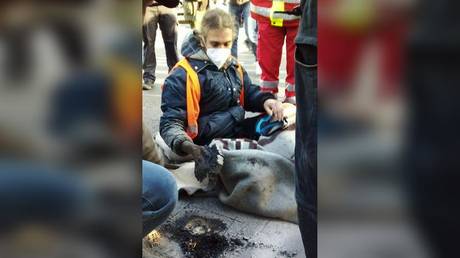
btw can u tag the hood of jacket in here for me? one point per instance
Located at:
(192, 47)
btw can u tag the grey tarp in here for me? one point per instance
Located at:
(254, 180)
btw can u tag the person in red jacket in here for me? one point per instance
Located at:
(276, 24)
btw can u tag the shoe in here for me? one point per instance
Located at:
(258, 69)
(147, 87)
(148, 84)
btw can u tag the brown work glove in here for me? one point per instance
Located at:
(208, 162)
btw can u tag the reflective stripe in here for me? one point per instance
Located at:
(271, 90)
(292, 1)
(269, 84)
(264, 11)
(290, 87)
(289, 1)
(277, 5)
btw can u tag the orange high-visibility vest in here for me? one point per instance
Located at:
(193, 96)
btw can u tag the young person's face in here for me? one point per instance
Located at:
(219, 38)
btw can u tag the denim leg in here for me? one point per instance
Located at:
(306, 146)
(252, 34)
(168, 29)
(235, 11)
(32, 192)
(159, 195)
(149, 32)
(246, 13)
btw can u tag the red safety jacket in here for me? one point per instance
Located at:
(263, 11)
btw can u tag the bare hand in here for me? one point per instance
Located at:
(273, 108)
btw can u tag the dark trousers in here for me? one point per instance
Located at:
(306, 146)
(241, 15)
(165, 18)
(431, 154)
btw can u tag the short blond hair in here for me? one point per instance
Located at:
(217, 19)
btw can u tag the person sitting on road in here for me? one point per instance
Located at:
(205, 96)
(159, 188)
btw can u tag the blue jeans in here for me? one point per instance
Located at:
(241, 15)
(306, 146)
(159, 195)
(32, 192)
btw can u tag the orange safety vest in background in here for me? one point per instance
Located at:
(193, 96)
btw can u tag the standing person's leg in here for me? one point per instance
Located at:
(235, 11)
(271, 40)
(149, 32)
(291, 33)
(159, 195)
(253, 32)
(306, 145)
(245, 14)
(255, 45)
(252, 35)
(168, 27)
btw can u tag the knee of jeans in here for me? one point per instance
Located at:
(159, 187)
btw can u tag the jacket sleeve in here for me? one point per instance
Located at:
(173, 122)
(253, 98)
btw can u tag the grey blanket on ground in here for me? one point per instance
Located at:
(259, 182)
(253, 180)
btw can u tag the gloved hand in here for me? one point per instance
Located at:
(209, 166)
(192, 149)
(208, 162)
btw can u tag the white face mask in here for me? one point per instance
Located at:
(218, 55)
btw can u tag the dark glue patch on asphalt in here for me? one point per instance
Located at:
(198, 237)
(201, 237)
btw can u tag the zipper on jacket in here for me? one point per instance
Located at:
(232, 89)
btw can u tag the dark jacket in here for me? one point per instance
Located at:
(220, 113)
(307, 33)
